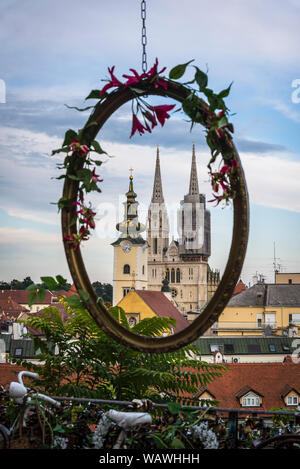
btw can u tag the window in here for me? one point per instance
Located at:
(155, 246)
(125, 291)
(174, 292)
(18, 352)
(250, 400)
(294, 318)
(272, 348)
(228, 348)
(177, 275)
(285, 348)
(168, 275)
(270, 319)
(143, 270)
(259, 320)
(214, 348)
(126, 269)
(254, 348)
(290, 281)
(172, 275)
(292, 400)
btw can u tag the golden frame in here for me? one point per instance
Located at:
(103, 110)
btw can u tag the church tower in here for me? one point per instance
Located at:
(193, 218)
(158, 222)
(130, 251)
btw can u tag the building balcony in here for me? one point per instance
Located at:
(241, 326)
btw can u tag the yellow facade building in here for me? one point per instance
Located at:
(264, 309)
(141, 304)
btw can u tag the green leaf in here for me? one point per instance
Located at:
(174, 407)
(201, 78)
(177, 444)
(225, 93)
(32, 287)
(84, 295)
(178, 71)
(31, 298)
(41, 293)
(97, 147)
(49, 282)
(62, 281)
(68, 135)
(74, 301)
(223, 121)
(94, 94)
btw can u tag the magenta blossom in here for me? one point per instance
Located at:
(76, 146)
(151, 117)
(95, 177)
(87, 214)
(162, 112)
(137, 126)
(114, 82)
(75, 239)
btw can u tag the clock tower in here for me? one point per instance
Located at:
(130, 251)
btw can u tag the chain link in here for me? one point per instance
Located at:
(144, 37)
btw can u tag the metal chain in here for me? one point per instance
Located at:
(144, 37)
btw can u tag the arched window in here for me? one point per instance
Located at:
(168, 275)
(177, 275)
(126, 269)
(155, 246)
(172, 275)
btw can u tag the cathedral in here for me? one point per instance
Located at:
(143, 264)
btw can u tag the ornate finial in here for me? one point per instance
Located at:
(131, 170)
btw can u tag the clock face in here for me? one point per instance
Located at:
(126, 247)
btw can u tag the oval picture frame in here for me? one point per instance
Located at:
(103, 110)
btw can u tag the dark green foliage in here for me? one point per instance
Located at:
(91, 364)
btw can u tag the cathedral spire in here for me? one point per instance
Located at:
(157, 195)
(194, 187)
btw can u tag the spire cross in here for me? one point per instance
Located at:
(131, 170)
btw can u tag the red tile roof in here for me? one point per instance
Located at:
(268, 379)
(239, 288)
(21, 296)
(9, 309)
(163, 307)
(9, 373)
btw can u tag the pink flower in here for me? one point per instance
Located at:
(76, 146)
(137, 126)
(135, 78)
(153, 71)
(151, 117)
(87, 214)
(114, 82)
(162, 112)
(95, 177)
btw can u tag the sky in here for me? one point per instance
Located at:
(54, 52)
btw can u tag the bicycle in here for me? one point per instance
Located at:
(33, 420)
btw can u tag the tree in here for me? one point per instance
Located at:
(104, 291)
(91, 364)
